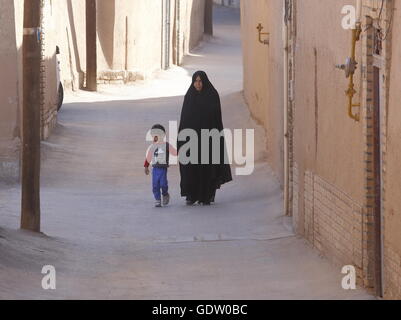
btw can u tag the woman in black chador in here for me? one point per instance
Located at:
(202, 110)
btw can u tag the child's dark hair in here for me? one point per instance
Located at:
(159, 127)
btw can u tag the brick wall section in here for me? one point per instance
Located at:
(295, 196)
(48, 89)
(333, 223)
(391, 259)
(392, 273)
(49, 121)
(308, 207)
(293, 167)
(338, 223)
(368, 133)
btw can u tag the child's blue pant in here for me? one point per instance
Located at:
(159, 182)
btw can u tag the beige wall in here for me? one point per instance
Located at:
(192, 23)
(327, 142)
(393, 156)
(64, 25)
(141, 23)
(331, 159)
(9, 99)
(263, 73)
(327, 175)
(320, 102)
(392, 174)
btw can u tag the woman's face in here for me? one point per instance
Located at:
(198, 83)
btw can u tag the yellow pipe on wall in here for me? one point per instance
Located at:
(260, 28)
(356, 34)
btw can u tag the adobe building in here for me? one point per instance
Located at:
(337, 158)
(10, 54)
(135, 39)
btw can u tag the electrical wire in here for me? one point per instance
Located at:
(384, 37)
(381, 10)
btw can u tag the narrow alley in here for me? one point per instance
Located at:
(102, 232)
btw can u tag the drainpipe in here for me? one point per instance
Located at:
(166, 36)
(285, 110)
(178, 31)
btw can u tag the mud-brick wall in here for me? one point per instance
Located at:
(328, 184)
(10, 52)
(328, 189)
(132, 36)
(50, 39)
(392, 151)
(332, 182)
(263, 73)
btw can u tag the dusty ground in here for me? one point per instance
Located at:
(107, 241)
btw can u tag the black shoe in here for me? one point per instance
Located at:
(190, 202)
(206, 203)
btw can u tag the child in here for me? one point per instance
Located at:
(158, 156)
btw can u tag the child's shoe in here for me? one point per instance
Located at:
(158, 204)
(166, 199)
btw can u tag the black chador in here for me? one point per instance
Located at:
(202, 110)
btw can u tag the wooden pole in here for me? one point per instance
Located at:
(91, 49)
(30, 179)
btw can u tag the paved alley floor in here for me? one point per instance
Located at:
(105, 238)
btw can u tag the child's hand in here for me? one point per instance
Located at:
(147, 171)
